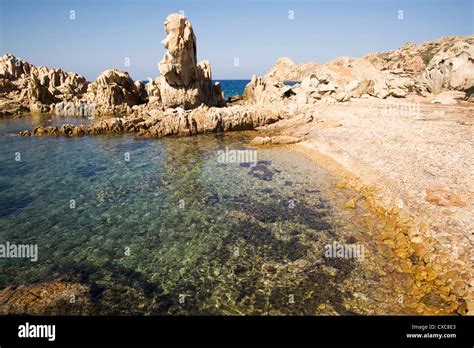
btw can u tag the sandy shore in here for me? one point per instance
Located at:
(413, 163)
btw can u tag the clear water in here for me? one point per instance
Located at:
(236, 87)
(234, 239)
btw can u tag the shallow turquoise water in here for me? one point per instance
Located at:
(170, 223)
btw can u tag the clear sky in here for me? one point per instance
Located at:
(105, 33)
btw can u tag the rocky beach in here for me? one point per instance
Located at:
(381, 147)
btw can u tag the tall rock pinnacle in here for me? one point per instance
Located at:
(183, 81)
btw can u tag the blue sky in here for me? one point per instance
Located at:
(106, 32)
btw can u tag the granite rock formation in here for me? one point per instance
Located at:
(430, 68)
(114, 91)
(183, 81)
(25, 87)
(452, 69)
(285, 70)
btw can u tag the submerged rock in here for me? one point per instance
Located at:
(275, 140)
(56, 298)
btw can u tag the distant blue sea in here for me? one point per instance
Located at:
(232, 87)
(236, 87)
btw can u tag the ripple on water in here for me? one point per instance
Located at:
(234, 238)
(13, 203)
(88, 170)
(14, 168)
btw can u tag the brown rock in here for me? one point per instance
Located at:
(45, 299)
(439, 196)
(351, 204)
(261, 141)
(35, 88)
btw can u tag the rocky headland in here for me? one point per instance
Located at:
(182, 100)
(397, 126)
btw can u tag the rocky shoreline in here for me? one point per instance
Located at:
(425, 208)
(183, 101)
(177, 122)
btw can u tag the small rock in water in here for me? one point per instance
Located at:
(351, 204)
(276, 140)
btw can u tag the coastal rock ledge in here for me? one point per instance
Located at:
(172, 122)
(182, 100)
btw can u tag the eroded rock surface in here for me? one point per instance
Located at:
(286, 70)
(184, 81)
(339, 80)
(114, 91)
(433, 67)
(164, 105)
(452, 69)
(177, 122)
(56, 298)
(25, 87)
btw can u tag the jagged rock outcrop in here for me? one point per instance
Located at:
(285, 70)
(411, 59)
(452, 69)
(265, 90)
(157, 123)
(35, 88)
(184, 81)
(113, 92)
(338, 80)
(153, 91)
(432, 67)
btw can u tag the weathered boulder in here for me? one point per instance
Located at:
(285, 70)
(152, 89)
(114, 91)
(452, 69)
(275, 140)
(184, 81)
(449, 97)
(410, 60)
(52, 298)
(338, 80)
(264, 90)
